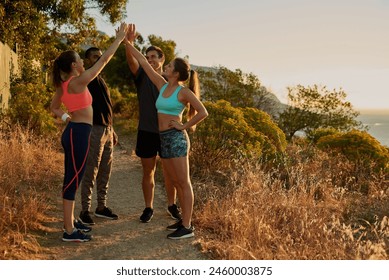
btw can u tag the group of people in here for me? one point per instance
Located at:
(88, 138)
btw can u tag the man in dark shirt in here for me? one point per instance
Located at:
(102, 139)
(148, 144)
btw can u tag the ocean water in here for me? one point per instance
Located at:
(378, 122)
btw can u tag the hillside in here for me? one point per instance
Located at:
(264, 98)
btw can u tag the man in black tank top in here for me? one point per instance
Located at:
(148, 144)
(102, 139)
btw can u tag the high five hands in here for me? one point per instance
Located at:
(121, 31)
(131, 34)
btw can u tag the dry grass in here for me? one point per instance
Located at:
(313, 209)
(30, 168)
(310, 207)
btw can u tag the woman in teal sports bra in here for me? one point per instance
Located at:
(171, 103)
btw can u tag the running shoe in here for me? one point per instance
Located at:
(147, 215)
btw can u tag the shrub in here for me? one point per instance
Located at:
(359, 147)
(316, 134)
(126, 105)
(275, 140)
(231, 135)
(29, 107)
(116, 98)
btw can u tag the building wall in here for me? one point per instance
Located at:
(8, 64)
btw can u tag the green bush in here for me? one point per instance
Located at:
(316, 134)
(275, 140)
(29, 107)
(125, 104)
(229, 136)
(359, 147)
(116, 97)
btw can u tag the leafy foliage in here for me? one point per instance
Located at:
(238, 88)
(316, 107)
(228, 138)
(32, 25)
(125, 104)
(28, 107)
(316, 134)
(359, 147)
(38, 31)
(275, 140)
(23, 25)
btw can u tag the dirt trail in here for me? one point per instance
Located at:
(125, 238)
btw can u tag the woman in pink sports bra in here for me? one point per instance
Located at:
(71, 80)
(175, 144)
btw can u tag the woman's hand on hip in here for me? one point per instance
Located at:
(177, 125)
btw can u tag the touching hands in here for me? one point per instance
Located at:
(121, 31)
(131, 33)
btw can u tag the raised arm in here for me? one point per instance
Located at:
(79, 83)
(129, 40)
(154, 76)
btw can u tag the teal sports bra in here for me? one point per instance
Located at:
(169, 105)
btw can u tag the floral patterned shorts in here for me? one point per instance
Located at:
(174, 143)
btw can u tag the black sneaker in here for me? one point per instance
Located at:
(76, 236)
(174, 212)
(174, 226)
(80, 226)
(85, 218)
(181, 233)
(147, 215)
(106, 213)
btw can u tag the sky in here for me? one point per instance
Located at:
(340, 44)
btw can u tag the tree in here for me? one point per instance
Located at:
(238, 88)
(32, 26)
(223, 84)
(316, 107)
(38, 30)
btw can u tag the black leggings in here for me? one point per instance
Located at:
(75, 142)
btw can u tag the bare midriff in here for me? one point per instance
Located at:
(83, 115)
(164, 120)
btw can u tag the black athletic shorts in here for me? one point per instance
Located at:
(148, 144)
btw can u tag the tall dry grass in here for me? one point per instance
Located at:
(30, 167)
(315, 207)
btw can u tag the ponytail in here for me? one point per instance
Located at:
(194, 85)
(183, 68)
(63, 63)
(56, 74)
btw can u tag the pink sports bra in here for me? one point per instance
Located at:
(75, 101)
